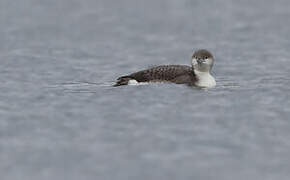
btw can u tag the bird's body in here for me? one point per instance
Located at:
(179, 74)
(197, 75)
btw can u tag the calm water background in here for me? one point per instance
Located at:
(61, 119)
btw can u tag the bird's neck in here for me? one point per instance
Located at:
(204, 79)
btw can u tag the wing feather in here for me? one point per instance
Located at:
(173, 73)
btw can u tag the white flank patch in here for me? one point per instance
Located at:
(133, 82)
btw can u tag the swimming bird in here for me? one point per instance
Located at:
(197, 75)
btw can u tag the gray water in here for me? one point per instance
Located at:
(61, 119)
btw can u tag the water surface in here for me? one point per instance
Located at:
(61, 119)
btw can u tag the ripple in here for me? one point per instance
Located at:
(82, 86)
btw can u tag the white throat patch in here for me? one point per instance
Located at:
(205, 79)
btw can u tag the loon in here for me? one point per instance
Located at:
(197, 75)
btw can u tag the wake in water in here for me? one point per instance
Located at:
(224, 84)
(278, 81)
(94, 87)
(82, 86)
